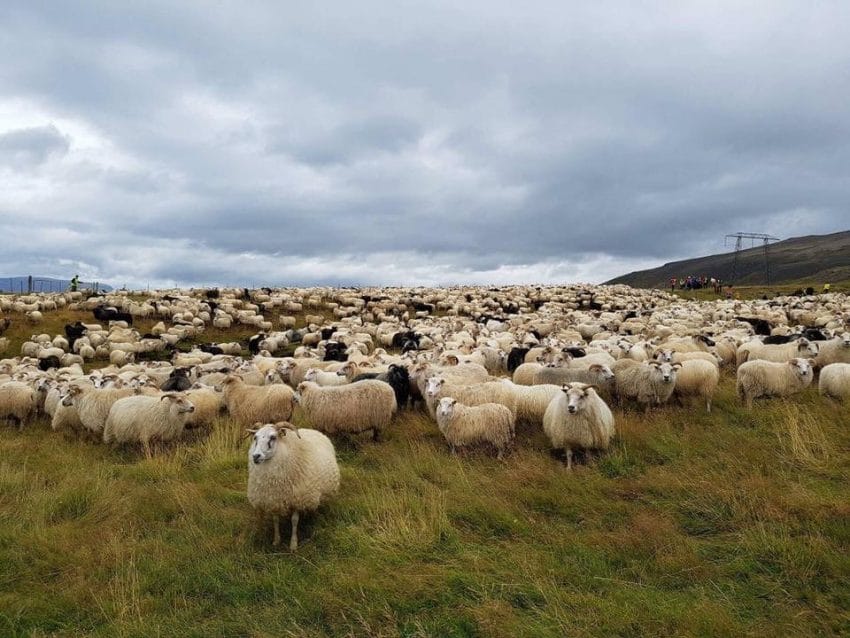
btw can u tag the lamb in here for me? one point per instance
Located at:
(463, 425)
(325, 379)
(697, 378)
(769, 378)
(249, 404)
(351, 408)
(145, 419)
(835, 381)
(290, 471)
(578, 419)
(649, 383)
(17, 402)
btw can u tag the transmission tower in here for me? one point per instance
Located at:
(739, 246)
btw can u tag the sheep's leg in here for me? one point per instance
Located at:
(569, 458)
(276, 526)
(376, 434)
(147, 447)
(708, 404)
(293, 540)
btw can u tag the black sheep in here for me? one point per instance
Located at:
(177, 382)
(516, 358)
(575, 352)
(327, 333)
(49, 362)
(760, 326)
(335, 351)
(73, 332)
(776, 339)
(814, 334)
(213, 293)
(210, 348)
(254, 343)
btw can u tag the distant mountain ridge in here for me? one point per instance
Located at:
(814, 259)
(45, 284)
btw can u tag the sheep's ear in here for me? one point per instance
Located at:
(811, 362)
(676, 366)
(565, 387)
(590, 387)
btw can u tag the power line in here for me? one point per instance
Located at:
(739, 246)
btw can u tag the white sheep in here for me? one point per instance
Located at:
(249, 404)
(835, 381)
(352, 408)
(649, 383)
(469, 394)
(324, 378)
(17, 402)
(463, 425)
(532, 401)
(769, 378)
(93, 405)
(698, 378)
(776, 352)
(835, 350)
(146, 419)
(290, 471)
(578, 419)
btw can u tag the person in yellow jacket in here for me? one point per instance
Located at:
(826, 288)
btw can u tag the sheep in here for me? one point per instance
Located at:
(599, 375)
(578, 419)
(697, 378)
(351, 408)
(66, 415)
(325, 379)
(649, 383)
(208, 405)
(524, 373)
(779, 353)
(93, 405)
(248, 404)
(835, 350)
(17, 402)
(469, 394)
(463, 425)
(290, 471)
(835, 381)
(762, 378)
(120, 357)
(145, 419)
(532, 401)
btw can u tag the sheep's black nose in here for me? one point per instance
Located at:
(257, 458)
(572, 409)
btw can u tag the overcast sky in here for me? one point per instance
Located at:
(413, 142)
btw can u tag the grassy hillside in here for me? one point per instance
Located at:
(725, 524)
(810, 260)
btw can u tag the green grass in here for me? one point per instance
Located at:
(734, 523)
(759, 291)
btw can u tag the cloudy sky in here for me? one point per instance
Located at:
(407, 142)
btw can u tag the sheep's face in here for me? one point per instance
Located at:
(845, 339)
(433, 386)
(577, 395)
(446, 407)
(803, 367)
(603, 372)
(807, 348)
(264, 444)
(666, 371)
(664, 356)
(312, 374)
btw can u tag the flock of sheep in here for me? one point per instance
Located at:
(479, 361)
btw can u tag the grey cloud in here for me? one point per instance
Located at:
(465, 137)
(27, 147)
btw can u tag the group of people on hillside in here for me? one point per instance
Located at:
(696, 283)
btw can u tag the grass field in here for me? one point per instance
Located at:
(729, 524)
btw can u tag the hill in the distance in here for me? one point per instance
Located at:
(46, 284)
(814, 259)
